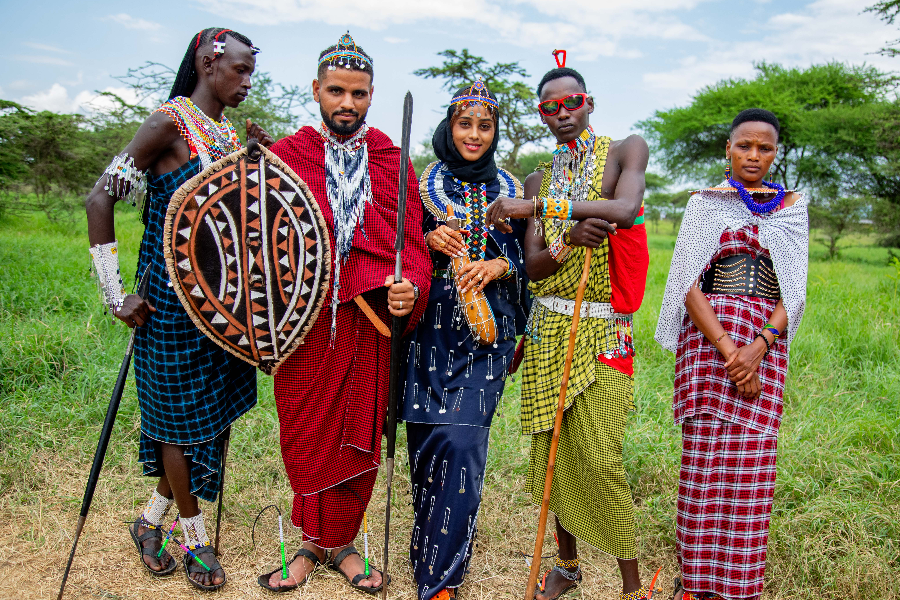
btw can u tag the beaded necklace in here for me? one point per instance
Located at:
(208, 138)
(752, 204)
(572, 172)
(475, 198)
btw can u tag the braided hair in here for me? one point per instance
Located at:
(186, 78)
(365, 68)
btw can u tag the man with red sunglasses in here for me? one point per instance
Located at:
(590, 196)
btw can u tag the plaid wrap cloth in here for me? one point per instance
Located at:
(332, 399)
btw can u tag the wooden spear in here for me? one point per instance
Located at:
(554, 442)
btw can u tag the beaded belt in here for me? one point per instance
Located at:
(594, 310)
(442, 274)
(742, 275)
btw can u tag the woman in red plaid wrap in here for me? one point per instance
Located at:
(731, 362)
(331, 393)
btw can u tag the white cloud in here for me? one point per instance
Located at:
(820, 32)
(594, 27)
(130, 22)
(46, 47)
(395, 40)
(57, 99)
(43, 60)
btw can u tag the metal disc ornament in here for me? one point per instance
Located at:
(248, 254)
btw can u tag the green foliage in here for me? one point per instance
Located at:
(887, 11)
(530, 162)
(838, 139)
(519, 124)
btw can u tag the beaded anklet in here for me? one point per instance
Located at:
(567, 564)
(639, 594)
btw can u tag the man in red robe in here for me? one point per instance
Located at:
(331, 393)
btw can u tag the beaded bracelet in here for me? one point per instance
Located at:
(768, 345)
(557, 208)
(559, 250)
(772, 328)
(509, 268)
(719, 339)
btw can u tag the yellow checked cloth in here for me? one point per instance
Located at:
(590, 494)
(543, 365)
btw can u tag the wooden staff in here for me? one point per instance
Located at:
(554, 442)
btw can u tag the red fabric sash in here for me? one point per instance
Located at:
(629, 260)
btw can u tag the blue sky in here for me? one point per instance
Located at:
(637, 56)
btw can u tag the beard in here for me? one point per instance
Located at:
(341, 128)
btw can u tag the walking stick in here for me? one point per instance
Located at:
(225, 439)
(396, 331)
(554, 442)
(105, 434)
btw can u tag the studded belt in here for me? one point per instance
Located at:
(594, 310)
(742, 275)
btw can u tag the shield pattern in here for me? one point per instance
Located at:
(248, 254)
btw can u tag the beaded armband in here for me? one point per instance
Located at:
(557, 208)
(106, 267)
(559, 249)
(125, 181)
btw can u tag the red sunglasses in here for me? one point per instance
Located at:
(550, 108)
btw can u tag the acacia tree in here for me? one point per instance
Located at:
(887, 11)
(519, 124)
(835, 129)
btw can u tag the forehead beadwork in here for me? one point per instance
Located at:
(476, 94)
(345, 54)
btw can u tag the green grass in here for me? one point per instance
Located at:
(835, 528)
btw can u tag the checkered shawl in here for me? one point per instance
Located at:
(544, 360)
(725, 493)
(785, 233)
(701, 381)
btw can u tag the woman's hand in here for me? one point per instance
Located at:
(254, 130)
(742, 365)
(135, 311)
(591, 232)
(507, 208)
(752, 389)
(401, 296)
(479, 273)
(443, 239)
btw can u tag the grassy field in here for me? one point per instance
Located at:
(835, 527)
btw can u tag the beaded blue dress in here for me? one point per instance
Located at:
(453, 384)
(189, 389)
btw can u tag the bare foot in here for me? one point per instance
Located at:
(298, 569)
(555, 585)
(354, 565)
(208, 578)
(153, 545)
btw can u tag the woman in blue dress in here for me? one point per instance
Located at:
(454, 383)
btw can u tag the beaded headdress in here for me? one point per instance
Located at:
(219, 45)
(345, 54)
(477, 93)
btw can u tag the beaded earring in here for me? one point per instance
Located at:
(727, 167)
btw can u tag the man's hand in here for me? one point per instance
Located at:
(591, 232)
(507, 208)
(135, 311)
(443, 239)
(401, 296)
(254, 130)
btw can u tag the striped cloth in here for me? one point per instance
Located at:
(701, 381)
(725, 493)
(189, 388)
(590, 493)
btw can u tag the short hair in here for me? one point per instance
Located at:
(186, 78)
(353, 64)
(756, 115)
(559, 74)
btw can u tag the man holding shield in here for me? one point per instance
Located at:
(331, 393)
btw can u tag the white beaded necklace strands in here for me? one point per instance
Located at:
(572, 172)
(212, 139)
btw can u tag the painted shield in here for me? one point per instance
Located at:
(248, 254)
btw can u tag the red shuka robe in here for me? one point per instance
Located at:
(332, 400)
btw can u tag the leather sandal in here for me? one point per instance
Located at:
(335, 565)
(143, 551)
(574, 580)
(263, 580)
(191, 566)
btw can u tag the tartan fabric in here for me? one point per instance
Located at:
(701, 381)
(189, 388)
(545, 348)
(725, 493)
(331, 518)
(590, 494)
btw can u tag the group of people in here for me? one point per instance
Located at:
(486, 261)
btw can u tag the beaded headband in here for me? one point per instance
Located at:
(219, 47)
(477, 94)
(344, 54)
